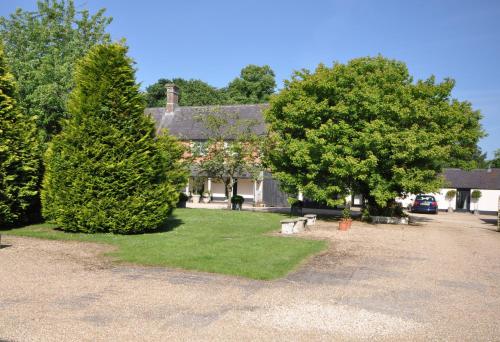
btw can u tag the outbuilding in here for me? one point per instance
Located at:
(487, 181)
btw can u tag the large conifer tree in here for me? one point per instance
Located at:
(106, 171)
(19, 162)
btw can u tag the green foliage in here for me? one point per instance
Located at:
(346, 213)
(237, 199)
(42, 48)
(255, 85)
(295, 202)
(19, 155)
(106, 171)
(476, 194)
(232, 148)
(495, 162)
(191, 93)
(198, 184)
(366, 127)
(450, 194)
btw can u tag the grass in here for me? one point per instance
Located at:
(219, 241)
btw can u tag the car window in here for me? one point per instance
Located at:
(426, 198)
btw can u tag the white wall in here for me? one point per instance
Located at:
(488, 200)
(245, 188)
(443, 203)
(217, 189)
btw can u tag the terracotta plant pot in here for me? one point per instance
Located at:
(345, 224)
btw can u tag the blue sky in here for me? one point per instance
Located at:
(213, 40)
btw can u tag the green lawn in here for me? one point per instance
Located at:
(220, 241)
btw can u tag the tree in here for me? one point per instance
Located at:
(232, 149)
(366, 127)
(19, 155)
(495, 162)
(42, 48)
(106, 171)
(255, 85)
(191, 93)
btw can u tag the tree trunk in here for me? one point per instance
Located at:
(229, 190)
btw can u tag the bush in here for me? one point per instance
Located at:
(237, 199)
(19, 155)
(476, 194)
(183, 197)
(295, 203)
(106, 171)
(346, 213)
(450, 194)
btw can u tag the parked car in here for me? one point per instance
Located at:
(424, 204)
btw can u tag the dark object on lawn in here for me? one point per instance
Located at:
(295, 207)
(183, 198)
(237, 202)
(424, 204)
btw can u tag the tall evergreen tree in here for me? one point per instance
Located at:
(106, 171)
(19, 162)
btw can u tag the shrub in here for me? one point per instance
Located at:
(450, 194)
(106, 171)
(237, 199)
(295, 203)
(19, 155)
(346, 213)
(183, 197)
(476, 194)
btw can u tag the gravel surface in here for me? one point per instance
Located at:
(438, 279)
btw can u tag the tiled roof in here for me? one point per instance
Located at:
(183, 122)
(487, 179)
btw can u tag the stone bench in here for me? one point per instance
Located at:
(311, 219)
(389, 220)
(293, 226)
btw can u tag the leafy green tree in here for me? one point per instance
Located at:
(255, 85)
(366, 127)
(106, 171)
(232, 148)
(495, 162)
(191, 93)
(42, 48)
(19, 155)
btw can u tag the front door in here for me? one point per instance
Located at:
(463, 199)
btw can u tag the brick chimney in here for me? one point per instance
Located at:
(172, 97)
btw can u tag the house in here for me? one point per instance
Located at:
(487, 181)
(183, 123)
(464, 182)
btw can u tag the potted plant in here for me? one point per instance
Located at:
(237, 202)
(346, 220)
(206, 197)
(183, 198)
(476, 195)
(450, 195)
(198, 185)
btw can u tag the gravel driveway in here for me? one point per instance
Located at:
(439, 279)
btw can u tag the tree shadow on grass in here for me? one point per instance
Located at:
(170, 224)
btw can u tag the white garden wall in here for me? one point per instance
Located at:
(488, 200)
